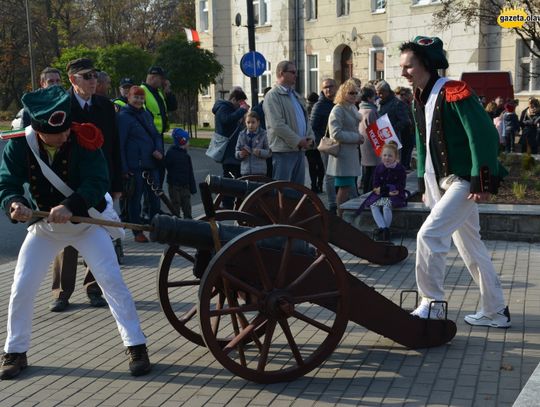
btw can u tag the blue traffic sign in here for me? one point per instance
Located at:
(253, 64)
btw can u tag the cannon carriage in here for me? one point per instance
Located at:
(274, 299)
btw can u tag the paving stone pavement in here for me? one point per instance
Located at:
(77, 358)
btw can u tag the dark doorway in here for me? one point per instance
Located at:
(346, 64)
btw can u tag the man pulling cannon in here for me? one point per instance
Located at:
(54, 151)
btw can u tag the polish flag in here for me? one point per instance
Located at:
(192, 35)
(380, 133)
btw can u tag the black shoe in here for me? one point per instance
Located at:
(378, 234)
(12, 364)
(386, 234)
(139, 364)
(96, 300)
(59, 305)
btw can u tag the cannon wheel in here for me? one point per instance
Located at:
(281, 294)
(308, 212)
(173, 287)
(238, 201)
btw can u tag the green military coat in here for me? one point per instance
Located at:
(463, 139)
(83, 169)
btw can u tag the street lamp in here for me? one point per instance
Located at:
(30, 48)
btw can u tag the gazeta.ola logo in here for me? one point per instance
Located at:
(512, 17)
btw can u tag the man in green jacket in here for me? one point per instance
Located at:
(457, 148)
(55, 155)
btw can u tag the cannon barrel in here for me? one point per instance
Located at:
(230, 186)
(171, 230)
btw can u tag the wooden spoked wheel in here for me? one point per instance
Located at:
(288, 203)
(238, 201)
(178, 287)
(285, 281)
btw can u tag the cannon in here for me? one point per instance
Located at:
(258, 203)
(275, 300)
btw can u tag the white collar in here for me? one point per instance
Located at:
(81, 101)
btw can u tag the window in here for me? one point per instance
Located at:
(378, 6)
(260, 12)
(343, 7)
(528, 69)
(265, 80)
(203, 15)
(311, 9)
(424, 2)
(376, 63)
(205, 91)
(312, 79)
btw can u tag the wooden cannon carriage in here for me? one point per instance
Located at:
(274, 301)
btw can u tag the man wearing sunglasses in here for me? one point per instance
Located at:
(87, 107)
(288, 127)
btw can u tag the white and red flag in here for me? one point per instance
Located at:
(192, 35)
(381, 132)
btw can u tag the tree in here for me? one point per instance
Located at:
(474, 12)
(125, 60)
(189, 68)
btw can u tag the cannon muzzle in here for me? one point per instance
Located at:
(230, 186)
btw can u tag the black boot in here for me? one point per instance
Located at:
(12, 364)
(386, 234)
(139, 363)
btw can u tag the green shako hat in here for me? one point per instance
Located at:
(49, 109)
(433, 50)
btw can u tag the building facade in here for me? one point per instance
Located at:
(345, 38)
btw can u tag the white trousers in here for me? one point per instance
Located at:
(38, 250)
(457, 217)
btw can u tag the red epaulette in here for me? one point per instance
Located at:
(457, 90)
(88, 135)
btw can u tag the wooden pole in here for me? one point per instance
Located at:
(101, 222)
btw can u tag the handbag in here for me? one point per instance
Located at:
(217, 147)
(108, 214)
(328, 145)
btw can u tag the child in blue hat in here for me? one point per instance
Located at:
(180, 175)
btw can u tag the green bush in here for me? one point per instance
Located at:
(528, 162)
(519, 190)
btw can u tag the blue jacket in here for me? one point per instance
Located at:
(179, 168)
(229, 122)
(319, 116)
(138, 139)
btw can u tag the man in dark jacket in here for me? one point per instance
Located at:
(319, 122)
(87, 107)
(395, 108)
(229, 121)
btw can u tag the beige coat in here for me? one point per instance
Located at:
(281, 127)
(343, 126)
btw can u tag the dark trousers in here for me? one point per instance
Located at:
(230, 171)
(65, 272)
(180, 196)
(316, 169)
(407, 140)
(141, 187)
(367, 179)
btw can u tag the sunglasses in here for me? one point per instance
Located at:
(353, 93)
(293, 72)
(87, 76)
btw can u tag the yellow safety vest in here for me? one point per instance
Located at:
(152, 106)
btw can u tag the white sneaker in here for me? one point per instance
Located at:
(500, 320)
(424, 311)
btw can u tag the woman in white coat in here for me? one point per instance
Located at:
(343, 127)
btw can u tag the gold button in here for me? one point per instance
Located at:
(64, 161)
(64, 172)
(33, 178)
(32, 167)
